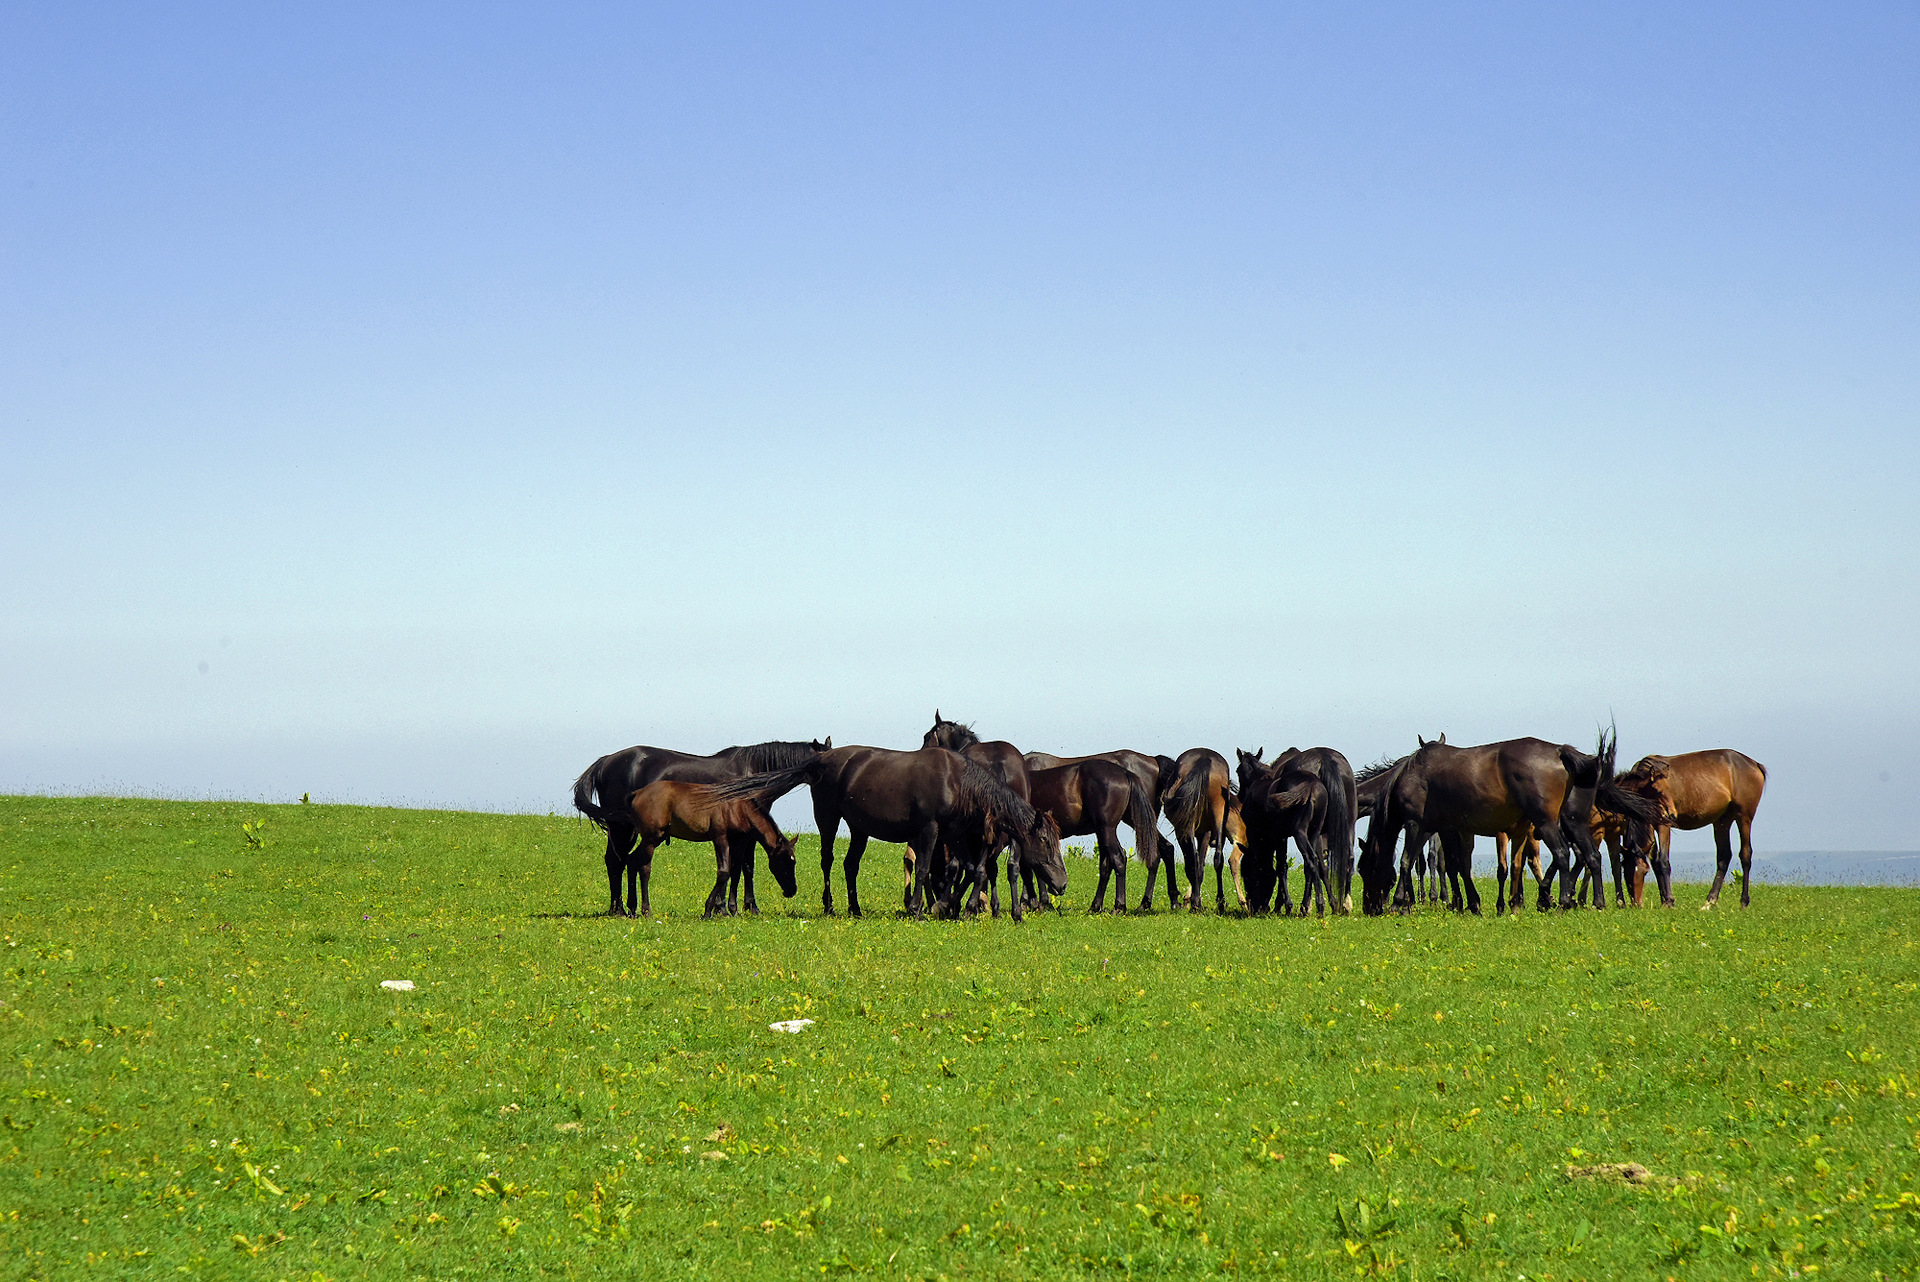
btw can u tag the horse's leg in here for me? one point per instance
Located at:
(856, 847)
(1662, 856)
(1722, 855)
(1500, 874)
(828, 822)
(717, 897)
(1746, 859)
(1153, 871)
(643, 864)
(748, 848)
(619, 844)
(1459, 856)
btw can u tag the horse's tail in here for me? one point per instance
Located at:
(768, 786)
(1299, 794)
(1186, 804)
(1143, 818)
(1339, 829)
(583, 794)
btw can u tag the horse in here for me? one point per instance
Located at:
(1147, 770)
(1000, 759)
(914, 797)
(1720, 787)
(1329, 854)
(1196, 796)
(1490, 789)
(694, 812)
(614, 778)
(1092, 797)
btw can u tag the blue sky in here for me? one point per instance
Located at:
(473, 391)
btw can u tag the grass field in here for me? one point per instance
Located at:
(205, 1077)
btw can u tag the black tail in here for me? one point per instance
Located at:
(1187, 803)
(1143, 818)
(768, 787)
(583, 790)
(1339, 829)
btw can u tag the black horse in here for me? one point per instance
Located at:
(604, 791)
(1495, 788)
(1001, 760)
(916, 798)
(1310, 797)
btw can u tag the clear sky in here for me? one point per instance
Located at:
(412, 403)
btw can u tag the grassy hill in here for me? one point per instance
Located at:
(204, 1074)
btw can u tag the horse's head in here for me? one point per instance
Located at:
(1040, 851)
(950, 735)
(1251, 767)
(780, 861)
(1377, 873)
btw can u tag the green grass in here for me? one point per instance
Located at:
(204, 1076)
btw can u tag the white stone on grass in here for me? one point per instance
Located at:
(398, 985)
(789, 1025)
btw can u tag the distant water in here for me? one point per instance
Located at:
(1812, 868)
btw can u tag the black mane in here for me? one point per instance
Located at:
(1377, 769)
(776, 754)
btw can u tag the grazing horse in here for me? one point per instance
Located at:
(1147, 770)
(1329, 856)
(1196, 795)
(1001, 760)
(614, 778)
(1092, 797)
(918, 798)
(1491, 789)
(1720, 787)
(1279, 801)
(693, 812)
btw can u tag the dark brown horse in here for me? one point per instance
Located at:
(1490, 789)
(1092, 797)
(1196, 804)
(1001, 760)
(693, 812)
(604, 791)
(1720, 787)
(1330, 864)
(1148, 772)
(915, 797)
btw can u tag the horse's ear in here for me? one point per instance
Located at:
(1420, 739)
(1259, 752)
(936, 716)
(829, 744)
(1442, 738)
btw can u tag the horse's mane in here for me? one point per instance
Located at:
(777, 754)
(1648, 769)
(953, 736)
(982, 794)
(1376, 769)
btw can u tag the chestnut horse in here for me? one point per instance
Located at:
(1720, 787)
(692, 812)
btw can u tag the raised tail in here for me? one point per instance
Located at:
(768, 786)
(583, 794)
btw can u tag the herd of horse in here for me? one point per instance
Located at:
(959, 804)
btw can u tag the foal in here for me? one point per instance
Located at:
(690, 812)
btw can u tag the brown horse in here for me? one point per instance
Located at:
(691, 812)
(917, 798)
(1092, 797)
(1145, 770)
(1196, 801)
(1490, 789)
(1607, 827)
(604, 791)
(1720, 787)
